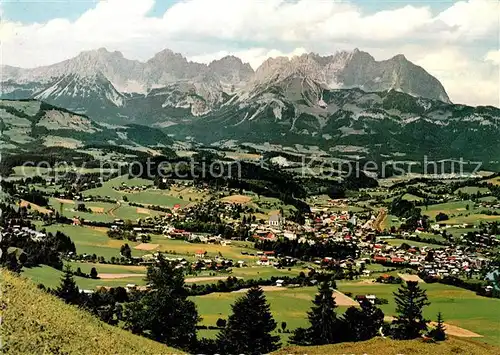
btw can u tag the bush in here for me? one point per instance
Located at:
(379, 301)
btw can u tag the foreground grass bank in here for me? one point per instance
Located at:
(34, 322)
(379, 346)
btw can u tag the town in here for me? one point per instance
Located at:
(107, 233)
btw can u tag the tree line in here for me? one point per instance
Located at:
(306, 251)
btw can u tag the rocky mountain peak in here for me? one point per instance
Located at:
(399, 58)
(167, 54)
(98, 56)
(231, 69)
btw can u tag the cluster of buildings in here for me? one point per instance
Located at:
(431, 262)
(26, 232)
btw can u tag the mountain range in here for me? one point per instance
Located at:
(345, 102)
(105, 84)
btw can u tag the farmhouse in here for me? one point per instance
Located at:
(200, 253)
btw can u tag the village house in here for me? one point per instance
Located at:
(200, 253)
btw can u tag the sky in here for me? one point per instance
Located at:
(456, 41)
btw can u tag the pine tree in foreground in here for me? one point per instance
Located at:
(363, 323)
(164, 314)
(67, 289)
(325, 327)
(410, 301)
(249, 328)
(438, 333)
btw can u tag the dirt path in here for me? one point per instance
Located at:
(340, 298)
(408, 277)
(111, 211)
(343, 300)
(238, 199)
(146, 246)
(382, 214)
(35, 207)
(449, 329)
(64, 200)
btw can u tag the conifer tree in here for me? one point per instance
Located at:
(249, 328)
(410, 301)
(12, 263)
(325, 327)
(363, 323)
(165, 314)
(67, 289)
(93, 273)
(439, 333)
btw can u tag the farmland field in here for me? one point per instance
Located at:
(149, 196)
(449, 208)
(471, 190)
(473, 219)
(397, 242)
(488, 199)
(460, 212)
(410, 197)
(51, 277)
(494, 181)
(68, 210)
(183, 248)
(108, 268)
(390, 221)
(94, 241)
(460, 307)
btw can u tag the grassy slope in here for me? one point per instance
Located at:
(35, 322)
(380, 346)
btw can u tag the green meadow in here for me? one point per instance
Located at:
(460, 307)
(94, 240)
(150, 196)
(460, 212)
(398, 242)
(51, 277)
(472, 190)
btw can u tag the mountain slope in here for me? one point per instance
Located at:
(29, 124)
(91, 94)
(298, 110)
(35, 322)
(355, 69)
